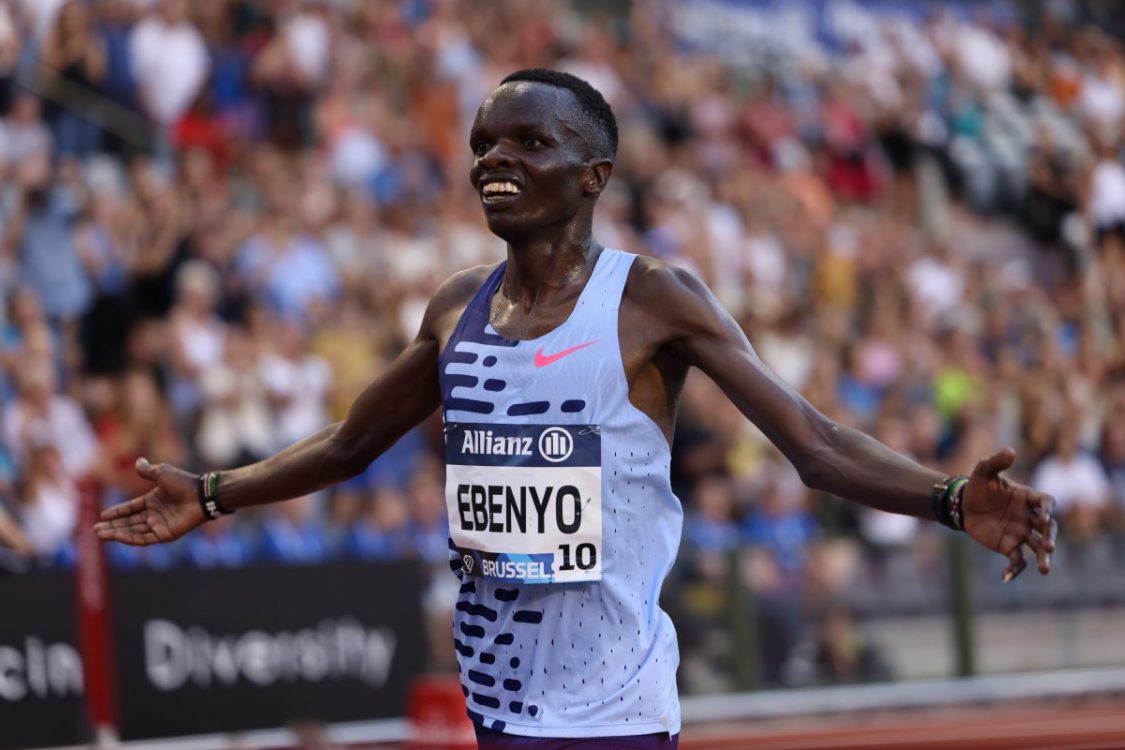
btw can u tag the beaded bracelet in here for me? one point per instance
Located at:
(946, 502)
(207, 489)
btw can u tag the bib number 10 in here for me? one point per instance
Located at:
(585, 557)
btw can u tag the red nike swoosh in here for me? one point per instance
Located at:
(542, 360)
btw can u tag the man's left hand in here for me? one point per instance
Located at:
(1005, 516)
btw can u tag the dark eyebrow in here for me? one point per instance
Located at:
(519, 130)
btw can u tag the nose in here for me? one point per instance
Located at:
(497, 155)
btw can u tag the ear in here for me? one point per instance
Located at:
(597, 175)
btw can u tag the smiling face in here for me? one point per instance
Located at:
(532, 168)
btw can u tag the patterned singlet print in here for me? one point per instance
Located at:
(563, 525)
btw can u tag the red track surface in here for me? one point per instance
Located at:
(1100, 727)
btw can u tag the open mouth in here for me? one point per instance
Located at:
(499, 191)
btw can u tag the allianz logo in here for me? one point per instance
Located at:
(555, 444)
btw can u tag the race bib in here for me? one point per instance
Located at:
(525, 501)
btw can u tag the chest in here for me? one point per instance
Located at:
(570, 374)
(549, 331)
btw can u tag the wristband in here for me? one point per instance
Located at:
(946, 502)
(955, 503)
(207, 489)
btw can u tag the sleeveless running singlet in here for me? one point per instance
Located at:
(563, 525)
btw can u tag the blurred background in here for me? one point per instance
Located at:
(220, 219)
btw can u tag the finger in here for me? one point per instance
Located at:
(1037, 543)
(995, 463)
(1042, 511)
(137, 523)
(136, 505)
(1042, 505)
(128, 522)
(1040, 508)
(1016, 564)
(103, 527)
(146, 470)
(125, 536)
(124, 522)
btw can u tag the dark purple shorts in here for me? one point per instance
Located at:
(489, 740)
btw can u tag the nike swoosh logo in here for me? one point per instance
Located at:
(542, 360)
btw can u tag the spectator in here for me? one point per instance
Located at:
(836, 652)
(297, 383)
(291, 534)
(782, 526)
(23, 135)
(196, 332)
(1077, 482)
(140, 425)
(12, 536)
(50, 500)
(710, 531)
(40, 416)
(286, 269)
(26, 332)
(9, 54)
(77, 54)
(779, 533)
(1112, 454)
(428, 528)
(887, 530)
(101, 239)
(381, 532)
(158, 225)
(169, 62)
(39, 234)
(235, 422)
(220, 545)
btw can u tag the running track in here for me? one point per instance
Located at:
(1053, 727)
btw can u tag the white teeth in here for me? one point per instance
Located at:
(494, 188)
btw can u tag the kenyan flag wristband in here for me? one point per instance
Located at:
(207, 489)
(946, 502)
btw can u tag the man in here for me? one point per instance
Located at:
(558, 373)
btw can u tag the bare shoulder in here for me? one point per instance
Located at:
(458, 289)
(453, 295)
(668, 294)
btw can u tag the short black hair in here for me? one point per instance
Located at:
(599, 124)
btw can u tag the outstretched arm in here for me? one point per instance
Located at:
(829, 456)
(401, 397)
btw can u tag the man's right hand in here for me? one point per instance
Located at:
(166, 512)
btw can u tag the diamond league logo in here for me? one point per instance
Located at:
(467, 563)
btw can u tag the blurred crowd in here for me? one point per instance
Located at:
(220, 220)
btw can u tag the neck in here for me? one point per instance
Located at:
(546, 265)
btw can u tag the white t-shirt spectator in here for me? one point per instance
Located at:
(64, 426)
(1107, 194)
(309, 40)
(170, 66)
(20, 141)
(200, 341)
(1079, 481)
(983, 57)
(302, 386)
(235, 419)
(937, 287)
(887, 529)
(50, 516)
(1101, 101)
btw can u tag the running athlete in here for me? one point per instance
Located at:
(558, 372)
